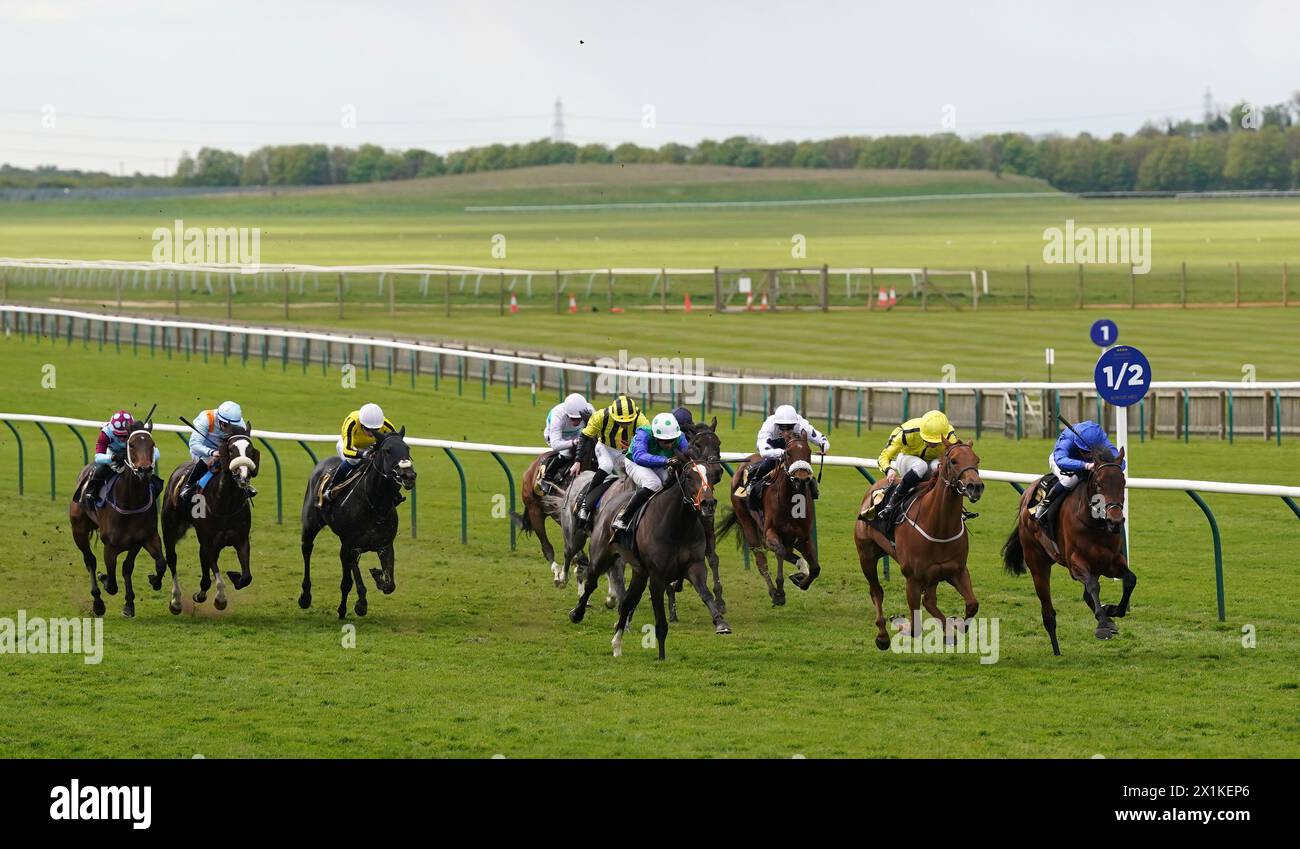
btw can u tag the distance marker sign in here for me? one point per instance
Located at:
(1122, 376)
(1104, 333)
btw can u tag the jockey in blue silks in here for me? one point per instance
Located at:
(210, 428)
(1071, 460)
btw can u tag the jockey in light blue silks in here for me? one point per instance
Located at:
(110, 454)
(1071, 460)
(210, 428)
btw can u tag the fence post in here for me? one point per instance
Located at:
(925, 289)
(826, 287)
(18, 436)
(1218, 550)
(1236, 284)
(718, 305)
(1286, 287)
(50, 442)
(663, 289)
(501, 301)
(392, 293)
(339, 289)
(557, 291)
(85, 453)
(464, 508)
(510, 485)
(279, 494)
(1027, 287)
(230, 286)
(286, 297)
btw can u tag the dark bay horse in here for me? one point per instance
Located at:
(536, 509)
(704, 446)
(669, 546)
(221, 516)
(930, 543)
(786, 522)
(127, 522)
(1089, 542)
(364, 517)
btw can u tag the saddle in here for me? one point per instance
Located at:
(1048, 527)
(101, 496)
(334, 490)
(879, 496)
(544, 481)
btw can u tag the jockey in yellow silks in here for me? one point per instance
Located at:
(912, 454)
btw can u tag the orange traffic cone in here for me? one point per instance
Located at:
(749, 300)
(573, 303)
(882, 299)
(893, 296)
(686, 304)
(514, 303)
(763, 304)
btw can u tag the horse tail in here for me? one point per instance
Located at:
(1013, 553)
(729, 523)
(554, 503)
(521, 519)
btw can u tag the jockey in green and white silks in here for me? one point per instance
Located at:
(646, 462)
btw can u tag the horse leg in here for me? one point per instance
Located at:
(961, 583)
(347, 559)
(1040, 567)
(362, 605)
(537, 519)
(657, 590)
(219, 600)
(81, 536)
(154, 546)
(588, 584)
(711, 553)
(672, 603)
(930, 600)
(1129, 582)
(616, 588)
(385, 578)
(205, 575)
(244, 577)
(782, 557)
(128, 568)
(628, 605)
(913, 623)
(309, 533)
(109, 577)
(868, 558)
(699, 579)
(809, 568)
(1092, 594)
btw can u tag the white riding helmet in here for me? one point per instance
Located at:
(665, 426)
(230, 412)
(786, 415)
(371, 416)
(575, 406)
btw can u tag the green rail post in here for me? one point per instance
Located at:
(464, 501)
(943, 401)
(979, 413)
(1230, 417)
(414, 499)
(1218, 549)
(859, 411)
(1292, 505)
(1277, 416)
(907, 404)
(183, 440)
(830, 412)
(1017, 487)
(412, 365)
(1142, 420)
(532, 386)
(18, 436)
(484, 380)
(510, 382)
(49, 441)
(767, 400)
(85, 452)
(310, 453)
(734, 391)
(1020, 424)
(1187, 415)
(510, 484)
(460, 376)
(279, 494)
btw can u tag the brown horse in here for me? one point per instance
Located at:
(221, 515)
(930, 543)
(1089, 542)
(786, 523)
(128, 521)
(536, 510)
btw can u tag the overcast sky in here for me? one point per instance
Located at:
(130, 84)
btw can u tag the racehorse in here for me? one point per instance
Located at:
(930, 541)
(574, 533)
(1089, 542)
(128, 521)
(786, 521)
(668, 546)
(704, 446)
(363, 516)
(221, 515)
(533, 518)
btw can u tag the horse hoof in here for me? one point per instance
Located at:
(155, 581)
(882, 643)
(1104, 633)
(343, 612)
(128, 611)
(798, 580)
(98, 607)
(575, 615)
(199, 597)
(175, 607)
(672, 617)
(1111, 610)
(219, 603)
(722, 606)
(611, 603)
(722, 628)
(304, 601)
(111, 589)
(361, 607)
(238, 579)
(778, 600)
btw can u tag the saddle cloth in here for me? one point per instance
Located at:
(335, 489)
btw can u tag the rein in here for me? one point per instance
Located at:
(955, 484)
(132, 466)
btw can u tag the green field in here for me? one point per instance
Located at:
(473, 654)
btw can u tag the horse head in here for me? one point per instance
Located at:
(797, 461)
(960, 469)
(1106, 489)
(140, 450)
(240, 457)
(697, 487)
(393, 458)
(705, 447)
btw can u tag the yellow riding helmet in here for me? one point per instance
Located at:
(935, 426)
(623, 410)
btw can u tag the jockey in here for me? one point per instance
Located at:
(360, 430)
(771, 446)
(211, 427)
(647, 462)
(564, 424)
(110, 454)
(912, 453)
(684, 418)
(1071, 459)
(608, 434)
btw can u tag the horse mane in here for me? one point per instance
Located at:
(1101, 454)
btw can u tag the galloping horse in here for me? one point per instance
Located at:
(536, 510)
(930, 543)
(364, 517)
(703, 446)
(669, 546)
(1090, 542)
(786, 522)
(128, 521)
(221, 515)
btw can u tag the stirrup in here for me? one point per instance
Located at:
(619, 523)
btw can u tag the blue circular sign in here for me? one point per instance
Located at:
(1104, 333)
(1122, 376)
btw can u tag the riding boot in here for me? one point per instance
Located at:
(1045, 506)
(188, 489)
(629, 510)
(896, 497)
(93, 483)
(597, 478)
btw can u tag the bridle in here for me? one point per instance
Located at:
(798, 465)
(1094, 487)
(956, 482)
(696, 502)
(130, 463)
